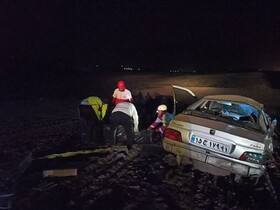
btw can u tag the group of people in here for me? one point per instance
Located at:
(94, 111)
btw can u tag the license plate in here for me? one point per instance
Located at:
(210, 144)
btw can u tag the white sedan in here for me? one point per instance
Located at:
(220, 134)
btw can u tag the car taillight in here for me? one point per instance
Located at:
(173, 134)
(252, 157)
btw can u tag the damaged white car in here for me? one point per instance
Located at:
(220, 134)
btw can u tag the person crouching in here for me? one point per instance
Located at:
(161, 122)
(92, 112)
(124, 114)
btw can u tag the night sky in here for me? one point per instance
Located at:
(236, 34)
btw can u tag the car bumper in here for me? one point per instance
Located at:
(212, 162)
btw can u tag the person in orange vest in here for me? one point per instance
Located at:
(92, 112)
(162, 121)
(121, 94)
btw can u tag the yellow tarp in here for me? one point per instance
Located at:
(80, 152)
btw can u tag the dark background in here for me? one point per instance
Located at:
(208, 36)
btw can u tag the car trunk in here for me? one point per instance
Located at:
(223, 132)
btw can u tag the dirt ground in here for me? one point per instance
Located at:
(38, 122)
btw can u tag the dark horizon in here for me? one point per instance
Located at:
(190, 35)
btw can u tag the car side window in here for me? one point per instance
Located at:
(267, 120)
(263, 122)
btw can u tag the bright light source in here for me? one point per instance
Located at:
(127, 69)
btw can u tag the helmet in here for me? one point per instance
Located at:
(121, 84)
(162, 107)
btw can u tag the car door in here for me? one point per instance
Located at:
(183, 97)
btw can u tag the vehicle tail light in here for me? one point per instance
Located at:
(173, 134)
(252, 157)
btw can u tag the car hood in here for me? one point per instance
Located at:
(219, 126)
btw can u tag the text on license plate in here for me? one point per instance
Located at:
(210, 144)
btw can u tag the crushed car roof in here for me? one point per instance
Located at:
(235, 98)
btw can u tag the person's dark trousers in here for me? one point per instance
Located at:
(120, 118)
(92, 128)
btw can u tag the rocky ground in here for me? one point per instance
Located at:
(145, 177)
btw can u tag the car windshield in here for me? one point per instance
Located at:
(238, 114)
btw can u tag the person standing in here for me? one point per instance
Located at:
(121, 94)
(92, 111)
(124, 114)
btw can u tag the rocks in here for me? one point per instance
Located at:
(144, 177)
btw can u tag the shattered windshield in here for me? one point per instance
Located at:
(242, 115)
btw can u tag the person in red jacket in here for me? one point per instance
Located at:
(121, 94)
(162, 120)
